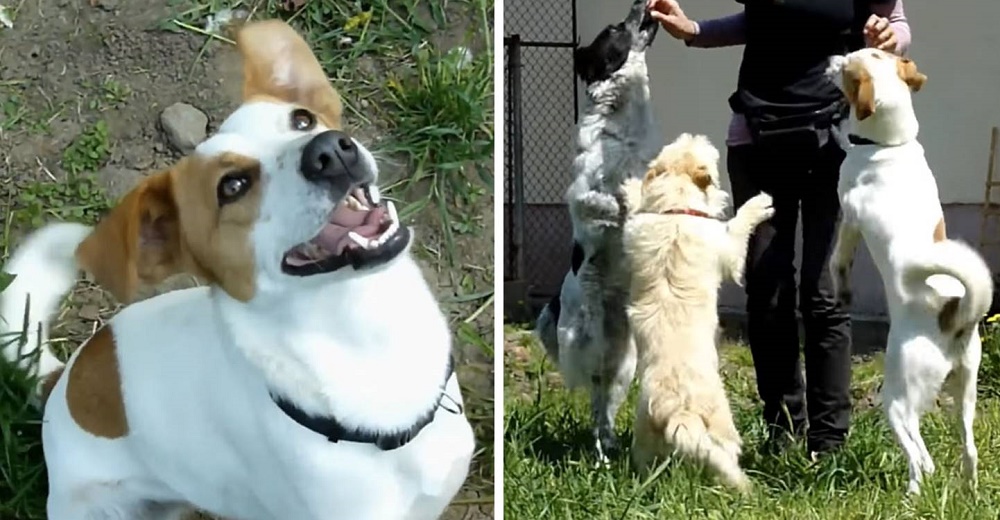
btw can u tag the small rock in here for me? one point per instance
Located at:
(90, 312)
(184, 125)
(117, 181)
(105, 5)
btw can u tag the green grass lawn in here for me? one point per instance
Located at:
(549, 467)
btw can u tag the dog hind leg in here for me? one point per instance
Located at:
(609, 392)
(963, 392)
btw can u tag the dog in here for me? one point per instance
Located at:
(678, 250)
(584, 328)
(310, 378)
(937, 289)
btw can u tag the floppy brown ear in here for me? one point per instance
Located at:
(907, 71)
(277, 62)
(139, 241)
(859, 90)
(701, 178)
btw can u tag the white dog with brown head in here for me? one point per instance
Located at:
(678, 252)
(310, 379)
(936, 289)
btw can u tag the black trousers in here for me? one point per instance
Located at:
(806, 179)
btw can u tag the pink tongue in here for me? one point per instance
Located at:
(334, 238)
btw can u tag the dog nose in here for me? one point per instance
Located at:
(330, 156)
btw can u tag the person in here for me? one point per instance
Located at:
(781, 141)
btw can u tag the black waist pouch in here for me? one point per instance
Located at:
(786, 126)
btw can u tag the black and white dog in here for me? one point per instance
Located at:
(584, 328)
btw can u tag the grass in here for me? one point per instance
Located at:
(429, 114)
(549, 469)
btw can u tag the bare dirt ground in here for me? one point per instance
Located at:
(83, 85)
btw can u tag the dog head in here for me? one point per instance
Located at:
(279, 193)
(614, 44)
(685, 175)
(875, 81)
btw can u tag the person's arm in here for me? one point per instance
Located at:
(720, 32)
(893, 11)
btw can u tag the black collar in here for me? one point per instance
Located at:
(859, 141)
(330, 428)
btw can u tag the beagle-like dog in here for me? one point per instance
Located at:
(937, 289)
(309, 379)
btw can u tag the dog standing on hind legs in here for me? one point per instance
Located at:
(937, 289)
(679, 251)
(584, 328)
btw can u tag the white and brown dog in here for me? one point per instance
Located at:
(310, 379)
(678, 253)
(936, 289)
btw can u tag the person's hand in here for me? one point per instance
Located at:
(672, 18)
(879, 34)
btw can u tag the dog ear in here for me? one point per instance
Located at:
(701, 178)
(907, 71)
(139, 241)
(277, 62)
(859, 90)
(583, 64)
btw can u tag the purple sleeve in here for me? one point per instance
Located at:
(721, 32)
(898, 22)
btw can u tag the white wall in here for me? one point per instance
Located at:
(957, 44)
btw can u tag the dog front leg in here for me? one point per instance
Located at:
(738, 230)
(599, 209)
(842, 259)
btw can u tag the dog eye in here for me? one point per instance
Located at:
(303, 120)
(232, 187)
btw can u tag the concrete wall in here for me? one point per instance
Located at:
(953, 44)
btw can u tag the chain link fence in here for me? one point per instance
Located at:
(539, 121)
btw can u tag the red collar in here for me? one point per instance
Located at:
(692, 212)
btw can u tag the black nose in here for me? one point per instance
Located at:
(332, 156)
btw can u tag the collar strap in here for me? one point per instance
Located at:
(687, 211)
(334, 431)
(859, 141)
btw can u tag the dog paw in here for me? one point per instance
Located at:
(758, 209)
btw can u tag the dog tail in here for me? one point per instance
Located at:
(688, 434)
(546, 328)
(44, 269)
(954, 258)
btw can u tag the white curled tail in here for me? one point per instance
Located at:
(44, 269)
(960, 261)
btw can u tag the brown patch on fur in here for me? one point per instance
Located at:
(946, 318)
(688, 164)
(49, 383)
(173, 223)
(94, 388)
(271, 49)
(940, 233)
(907, 71)
(859, 90)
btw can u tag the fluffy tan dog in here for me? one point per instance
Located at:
(678, 251)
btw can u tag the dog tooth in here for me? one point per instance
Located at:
(392, 212)
(360, 240)
(374, 194)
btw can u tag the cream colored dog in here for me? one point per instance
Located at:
(678, 251)
(936, 289)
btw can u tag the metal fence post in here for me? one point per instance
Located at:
(517, 157)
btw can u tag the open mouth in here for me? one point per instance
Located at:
(363, 231)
